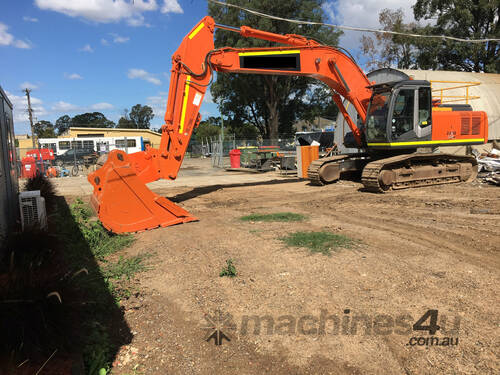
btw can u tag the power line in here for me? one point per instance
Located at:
(342, 27)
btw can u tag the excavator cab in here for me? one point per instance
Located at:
(399, 113)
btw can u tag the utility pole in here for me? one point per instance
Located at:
(30, 113)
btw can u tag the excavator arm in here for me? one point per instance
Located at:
(121, 198)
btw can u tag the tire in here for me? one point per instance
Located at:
(74, 171)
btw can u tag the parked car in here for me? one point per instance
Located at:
(83, 156)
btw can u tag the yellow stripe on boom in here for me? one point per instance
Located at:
(427, 142)
(184, 104)
(196, 31)
(263, 53)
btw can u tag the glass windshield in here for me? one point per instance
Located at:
(376, 120)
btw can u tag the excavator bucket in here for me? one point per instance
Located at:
(124, 203)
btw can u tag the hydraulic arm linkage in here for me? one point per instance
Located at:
(121, 198)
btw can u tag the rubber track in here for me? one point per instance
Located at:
(313, 169)
(371, 172)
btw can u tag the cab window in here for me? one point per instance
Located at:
(402, 117)
(376, 120)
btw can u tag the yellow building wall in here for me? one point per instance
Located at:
(147, 135)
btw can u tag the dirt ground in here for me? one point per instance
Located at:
(434, 248)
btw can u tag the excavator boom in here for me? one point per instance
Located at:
(121, 198)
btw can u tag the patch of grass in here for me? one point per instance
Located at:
(278, 216)
(125, 268)
(101, 242)
(318, 242)
(229, 270)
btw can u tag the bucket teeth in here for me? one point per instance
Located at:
(123, 202)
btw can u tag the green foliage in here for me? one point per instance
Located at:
(44, 129)
(125, 267)
(101, 242)
(318, 242)
(477, 19)
(63, 123)
(208, 128)
(279, 216)
(91, 120)
(229, 270)
(46, 187)
(272, 104)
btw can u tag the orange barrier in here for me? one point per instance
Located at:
(305, 156)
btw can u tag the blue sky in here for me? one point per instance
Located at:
(104, 55)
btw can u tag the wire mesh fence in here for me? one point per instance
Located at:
(79, 157)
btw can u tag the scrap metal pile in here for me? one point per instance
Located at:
(489, 165)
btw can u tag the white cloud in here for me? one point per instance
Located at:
(20, 103)
(64, 107)
(142, 74)
(158, 103)
(171, 6)
(104, 42)
(101, 106)
(119, 39)
(362, 13)
(30, 19)
(106, 11)
(72, 76)
(86, 48)
(7, 39)
(28, 85)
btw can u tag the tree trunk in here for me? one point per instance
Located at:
(272, 105)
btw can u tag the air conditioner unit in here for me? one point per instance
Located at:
(33, 212)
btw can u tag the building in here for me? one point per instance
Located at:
(24, 141)
(148, 136)
(8, 169)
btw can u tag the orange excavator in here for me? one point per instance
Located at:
(395, 119)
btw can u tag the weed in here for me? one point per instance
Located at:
(318, 242)
(125, 267)
(229, 270)
(47, 190)
(101, 242)
(278, 216)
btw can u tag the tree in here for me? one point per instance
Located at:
(387, 50)
(270, 103)
(141, 115)
(125, 122)
(44, 129)
(470, 19)
(92, 120)
(466, 19)
(208, 128)
(63, 123)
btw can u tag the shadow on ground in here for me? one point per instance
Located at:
(57, 313)
(199, 191)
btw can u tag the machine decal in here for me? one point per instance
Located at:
(184, 104)
(197, 30)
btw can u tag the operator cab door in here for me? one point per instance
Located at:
(411, 119)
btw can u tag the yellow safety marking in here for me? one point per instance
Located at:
(196, 31)
(262, 53)
(442, 109)
(427, 142)
(184, 104)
